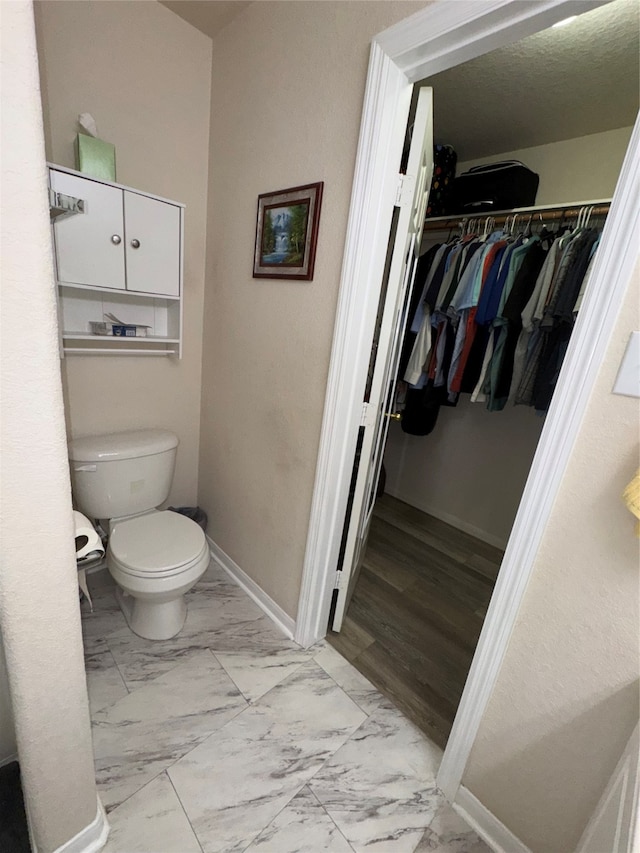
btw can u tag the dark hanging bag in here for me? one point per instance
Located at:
(495, 186)
(444, 174)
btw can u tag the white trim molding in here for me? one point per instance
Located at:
(92, 838)
(8, 759)
(441, 36)
(486, 824)
(277, 615)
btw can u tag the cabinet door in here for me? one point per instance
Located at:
(152, 245)
(90, 245)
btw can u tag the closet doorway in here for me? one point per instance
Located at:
(439, 526)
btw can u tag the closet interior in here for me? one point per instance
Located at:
(487, 325)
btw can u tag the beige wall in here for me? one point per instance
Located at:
(470, 471)
(39, 610)
(572, 170)
(8, 746)
(445, 473)
(145, 75)
(566, 700)
(287, 114)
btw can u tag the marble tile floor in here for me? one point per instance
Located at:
(232, 738)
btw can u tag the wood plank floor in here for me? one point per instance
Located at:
(417, 611)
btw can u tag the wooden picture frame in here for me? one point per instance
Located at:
(287, 233)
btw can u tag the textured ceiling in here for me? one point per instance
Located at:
(558, 84)
(208, 16)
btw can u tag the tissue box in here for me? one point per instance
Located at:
(95, 157)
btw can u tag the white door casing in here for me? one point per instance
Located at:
(438, 37)
(413, 194)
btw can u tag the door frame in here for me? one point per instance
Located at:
(440, 36)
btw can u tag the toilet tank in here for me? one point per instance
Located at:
(123, 473)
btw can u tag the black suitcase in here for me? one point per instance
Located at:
(495, 186)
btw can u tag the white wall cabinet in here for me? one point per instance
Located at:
(122, 256)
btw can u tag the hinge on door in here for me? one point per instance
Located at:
(404, 190)
(338, 580)
(366, 416)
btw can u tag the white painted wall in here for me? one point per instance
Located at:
(472, 469)
(39, 609)
(145, 75)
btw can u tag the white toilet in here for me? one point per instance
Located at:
(154, 556)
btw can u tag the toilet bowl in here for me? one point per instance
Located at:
(154, 559)
(155, 556)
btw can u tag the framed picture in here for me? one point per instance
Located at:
(287, 233)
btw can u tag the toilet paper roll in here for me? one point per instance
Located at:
(87, 539)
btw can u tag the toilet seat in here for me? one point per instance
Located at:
(159, 544)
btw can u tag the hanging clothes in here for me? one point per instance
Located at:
(491, 316)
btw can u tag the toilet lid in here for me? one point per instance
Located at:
(158, 543)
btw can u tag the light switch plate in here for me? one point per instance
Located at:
(628, 378)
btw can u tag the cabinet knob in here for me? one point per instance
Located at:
(116, 239)
(135, 244)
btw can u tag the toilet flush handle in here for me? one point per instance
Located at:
(85, 468)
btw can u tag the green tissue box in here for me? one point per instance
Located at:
(95, 157)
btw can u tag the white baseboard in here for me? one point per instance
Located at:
(277, 615)
(453, 520)
(92, 838)
(486, 824)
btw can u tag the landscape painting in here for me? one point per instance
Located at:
(287, 232)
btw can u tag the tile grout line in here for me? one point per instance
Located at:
(346, 692)
(117, 666)
(231, 679)
(340, 832)
(185, 812)
(286, 805)
(175, 761)
(252, 702)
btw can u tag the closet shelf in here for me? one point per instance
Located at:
(544, 213)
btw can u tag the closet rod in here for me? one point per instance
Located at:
(544, 214)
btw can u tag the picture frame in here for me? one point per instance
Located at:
(287, 233)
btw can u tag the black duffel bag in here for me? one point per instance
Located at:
(495, 186)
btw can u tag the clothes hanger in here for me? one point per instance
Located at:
(527, 227)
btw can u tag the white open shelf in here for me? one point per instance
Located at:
(79, 306)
